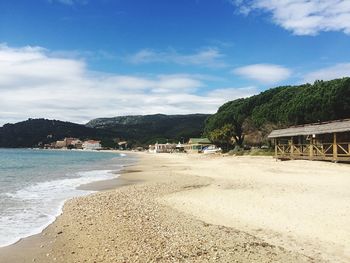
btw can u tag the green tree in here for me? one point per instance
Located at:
(284, 106)
(232, 114)
(222, 136)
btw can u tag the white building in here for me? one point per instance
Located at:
(162, 148)
(92, 145)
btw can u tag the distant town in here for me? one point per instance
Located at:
(74, 143)
(194, 145)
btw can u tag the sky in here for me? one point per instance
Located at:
(76, 60)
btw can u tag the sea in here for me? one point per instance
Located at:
(34, 184)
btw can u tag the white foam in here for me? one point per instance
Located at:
(41, 203)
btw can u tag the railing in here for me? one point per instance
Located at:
(325, 150)
(343, 149)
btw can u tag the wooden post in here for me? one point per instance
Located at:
(276, 141)
(311, 151)
(291, 148)
(335, 147)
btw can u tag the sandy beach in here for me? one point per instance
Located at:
(196, 208)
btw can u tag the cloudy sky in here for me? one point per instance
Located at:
(76, 60)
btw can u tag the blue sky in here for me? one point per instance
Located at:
(80, 59)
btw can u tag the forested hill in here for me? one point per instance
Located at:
(30, 132)
(147, 129)
(281, 107)
(137, 130)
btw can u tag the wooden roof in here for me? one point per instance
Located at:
(314, 128)
(199, 141)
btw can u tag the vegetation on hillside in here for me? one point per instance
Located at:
(137, 130)
(31, 132)
(281, 107)
(148, 129)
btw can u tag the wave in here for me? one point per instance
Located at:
(30, 210)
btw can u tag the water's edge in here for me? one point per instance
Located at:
(53, 217)
(113, 175)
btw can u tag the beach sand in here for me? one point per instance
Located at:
(196, 208)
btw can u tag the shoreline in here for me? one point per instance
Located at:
(31, 243)
(185, 208)
(88, 188)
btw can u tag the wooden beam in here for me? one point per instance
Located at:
(335, 147)
(311, 150)
(276, 147)
(345, 151)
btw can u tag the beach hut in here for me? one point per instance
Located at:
(162, 148)
(196, 144)
(316, 141)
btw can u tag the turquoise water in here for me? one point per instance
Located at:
(35, 183)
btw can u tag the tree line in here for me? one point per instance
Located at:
(279, 108)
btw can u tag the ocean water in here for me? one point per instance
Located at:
(34, 184)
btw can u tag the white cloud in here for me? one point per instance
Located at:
(265, 73)
(84, 54)
(233, 93)
(34, 83)
(336, 71)
(208, 57)
(303, 17)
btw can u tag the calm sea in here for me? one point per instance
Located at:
(35, 183)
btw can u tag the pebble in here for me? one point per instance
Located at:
(130, 224)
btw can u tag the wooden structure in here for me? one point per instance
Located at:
(162, 148)
(317, 141)
(196, 145)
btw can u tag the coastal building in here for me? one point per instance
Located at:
(317, 141)
(76, 144)
(91, 145)
(67, 143)
(162, 148)
(196, 145)
(60, 144)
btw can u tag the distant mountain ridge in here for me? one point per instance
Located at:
(139, 119)
(123, 120)
(151, 128)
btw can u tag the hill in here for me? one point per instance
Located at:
(280, 107)
(137, 130)
(30, 132)
(146, 129)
